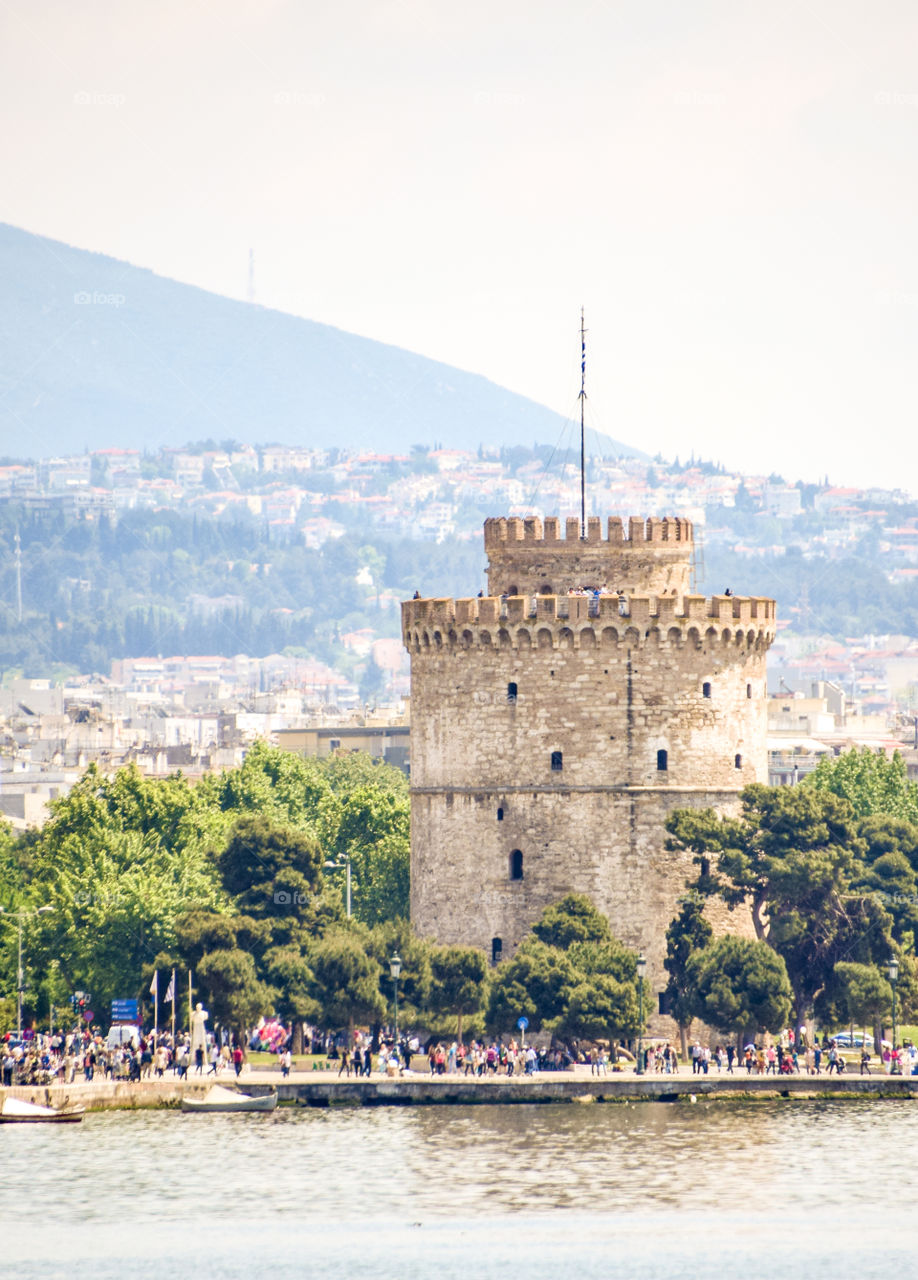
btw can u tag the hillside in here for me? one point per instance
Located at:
(97, 353)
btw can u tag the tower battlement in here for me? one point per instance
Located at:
(518, 620)
(549, 557)
(499, 531)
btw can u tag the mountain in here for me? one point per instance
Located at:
(99, 354)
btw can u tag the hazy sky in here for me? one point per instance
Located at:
(728, 188)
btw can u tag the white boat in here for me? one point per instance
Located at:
(219, 1099)
(17, 1111)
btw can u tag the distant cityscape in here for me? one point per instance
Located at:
(198, 712)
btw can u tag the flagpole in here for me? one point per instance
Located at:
(189, 1002)
(155, 1006)
(172, 989)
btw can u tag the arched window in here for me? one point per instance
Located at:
(706, 689)
(500, 815)
(557, 761)
(748, 690)
(545, 589)
(511, 691)
(662, 761)
(737, 761)
(516, 865)
(497, 948)
(513, 591)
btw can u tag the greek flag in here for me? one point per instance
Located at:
(170, 993)
(154, 985)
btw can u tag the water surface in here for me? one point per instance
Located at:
(806, 1188)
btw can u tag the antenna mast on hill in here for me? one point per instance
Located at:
(18, 578)
(583, 528)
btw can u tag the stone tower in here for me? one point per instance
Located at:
(552, 733)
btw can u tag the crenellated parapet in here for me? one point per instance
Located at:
(578, 621)
(549, 557)
(531, 531)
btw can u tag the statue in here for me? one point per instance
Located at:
(199, 1035)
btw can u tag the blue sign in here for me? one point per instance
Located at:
(523, 1023)
(124, 1011)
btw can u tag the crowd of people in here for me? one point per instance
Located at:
(63, 1057)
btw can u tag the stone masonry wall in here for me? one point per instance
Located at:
(550, 739)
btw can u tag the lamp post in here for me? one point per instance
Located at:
(641, 970)
(893, 979)
(337, 866)
(19, 974)
(395, 968)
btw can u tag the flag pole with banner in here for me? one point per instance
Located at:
(189, 1001)
(170, 995)
(154, 992)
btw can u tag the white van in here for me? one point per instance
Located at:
(122, 1033)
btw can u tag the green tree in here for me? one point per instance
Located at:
(688, 932)
(740, 986)
(270, 870)
(459, 982)
(872, 783)
(861, 995)
(345, 982)
(535, 983)
(236, 995)
(794, 857)
(573, 919)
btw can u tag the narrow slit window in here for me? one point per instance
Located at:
(706, 689)
(705, 868)
(662, 761)
(511, 691)
(737, 761)
(557, 761)
(497, 950)
(748, 690)
(500, 815)
(516, 865)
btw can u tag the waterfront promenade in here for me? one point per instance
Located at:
(323, 1089)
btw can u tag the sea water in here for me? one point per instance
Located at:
(813, 1189)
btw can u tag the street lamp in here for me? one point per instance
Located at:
(894, 978)
(337, 866)
(19, 974)
(395, 968)
(641, 970)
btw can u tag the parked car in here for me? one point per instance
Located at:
(845, 1040)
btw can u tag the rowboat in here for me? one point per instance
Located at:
(219, 1099)
(17, 1111)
